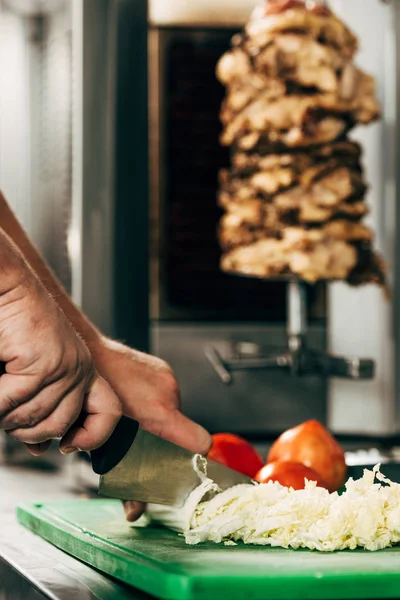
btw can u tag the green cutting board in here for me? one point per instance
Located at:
(159, 562)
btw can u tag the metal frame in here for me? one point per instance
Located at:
(91, 234)
(297, 358)
(178, 13)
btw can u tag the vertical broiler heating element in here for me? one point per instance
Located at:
(294, 197)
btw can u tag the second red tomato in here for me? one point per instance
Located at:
(289, 474)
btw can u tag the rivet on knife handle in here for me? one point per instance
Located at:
(113, 451)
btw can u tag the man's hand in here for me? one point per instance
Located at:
(149, 394)
(49, 378)
(145, 385)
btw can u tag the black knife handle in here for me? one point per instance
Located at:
(113, 451)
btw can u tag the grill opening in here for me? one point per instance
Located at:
(190, 282)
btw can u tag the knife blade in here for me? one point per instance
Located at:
(137, 465)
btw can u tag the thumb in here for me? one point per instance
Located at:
(133, 510)
(101, 413)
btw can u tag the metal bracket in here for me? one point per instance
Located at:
(296, 358)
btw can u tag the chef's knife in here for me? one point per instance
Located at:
(136, 465)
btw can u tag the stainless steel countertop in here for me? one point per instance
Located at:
(32, 569)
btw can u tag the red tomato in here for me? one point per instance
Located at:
(313, 446)
(236, 453)
(289, 474)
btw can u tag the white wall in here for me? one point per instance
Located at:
(35, 128)
(14, 116)
(360, 320)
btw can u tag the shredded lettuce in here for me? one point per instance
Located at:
(366, 515)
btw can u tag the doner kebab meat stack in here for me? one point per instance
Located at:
(294, 197)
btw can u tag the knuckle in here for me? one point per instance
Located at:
(73, 363)
(30, 420)
(19, 394)
(20, 421)
(55, 428)
(80, 363)
(52, 367)
(9, 402)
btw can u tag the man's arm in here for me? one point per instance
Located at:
(145, 384)
(10, 225)
(49, 378)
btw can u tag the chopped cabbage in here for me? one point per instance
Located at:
(179, 518)
(366, 515)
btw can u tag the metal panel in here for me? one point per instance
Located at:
(51, 127)
(224, 13)
(132, 174)
(258, 402)
(91, 231)
(30, 567)
(361, 320)
(16, 586)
